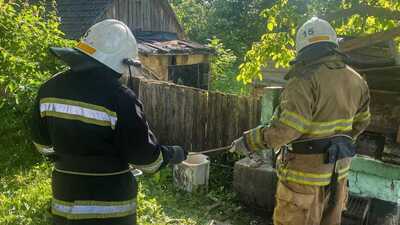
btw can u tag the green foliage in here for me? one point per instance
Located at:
(236, 24)
(224, 58)
(26, 33)
(193, 16)
(278, 43)
(222, 69)
(24, 176)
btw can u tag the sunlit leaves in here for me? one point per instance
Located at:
(271, 24)
(277, 44)
(26, 33)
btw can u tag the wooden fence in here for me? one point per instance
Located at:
(195, 118)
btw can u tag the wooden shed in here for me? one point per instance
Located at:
(140, 15)
(164, 49)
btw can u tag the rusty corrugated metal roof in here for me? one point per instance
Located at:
(174, 47)
(168, 43)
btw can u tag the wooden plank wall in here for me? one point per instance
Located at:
(385, 111)
(195, 118)
(146, 15)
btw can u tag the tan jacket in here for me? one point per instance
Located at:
(322, 100)
(328, 98)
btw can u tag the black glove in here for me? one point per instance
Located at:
(177, 154)
(52, 157)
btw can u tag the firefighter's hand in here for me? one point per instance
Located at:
(178, 155)
(239, 147)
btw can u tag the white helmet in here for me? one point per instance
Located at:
(110, 42)
(314, 31)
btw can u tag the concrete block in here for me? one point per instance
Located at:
(255, 186)
(375, 179)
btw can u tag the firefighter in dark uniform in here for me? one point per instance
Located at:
(94, 129)
(322, 110)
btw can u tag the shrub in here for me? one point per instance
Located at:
(26, 33)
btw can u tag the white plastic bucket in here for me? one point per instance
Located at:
(192, 174)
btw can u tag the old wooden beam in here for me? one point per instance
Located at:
(368, 40)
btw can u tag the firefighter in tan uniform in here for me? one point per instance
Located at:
(322, 110)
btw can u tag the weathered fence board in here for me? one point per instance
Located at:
(194, 118)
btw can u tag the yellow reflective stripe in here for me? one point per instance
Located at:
(258, 138)
(251, 141)
(309, 122)
(343, 173)
(304, 178)
(76, 117)
(75, 110)
(39, 146)
(332, 130)
(315, 132)
(92, 202)
(152, 167)
(92, 174)
(344, 170)
(305, 182)
(318, 38)
(293, 125)
(362, 116)
(78, 103)
(322, 179)
(43, 149)
(90, 215)
(305, 126)
(254, 138)
(343, 176)
(93, 209)
(303, 174)
(86, 48)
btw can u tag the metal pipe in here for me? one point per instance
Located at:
(212, 150)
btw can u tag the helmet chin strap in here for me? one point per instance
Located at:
(129, 63)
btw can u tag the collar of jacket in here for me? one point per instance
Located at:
(306, 70)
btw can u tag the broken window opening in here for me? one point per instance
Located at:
(195, 75)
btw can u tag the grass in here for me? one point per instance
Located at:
(25, 191)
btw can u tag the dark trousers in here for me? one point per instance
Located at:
(70, 188)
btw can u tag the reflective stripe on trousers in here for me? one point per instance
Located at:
(93, 209)
(316, 179)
